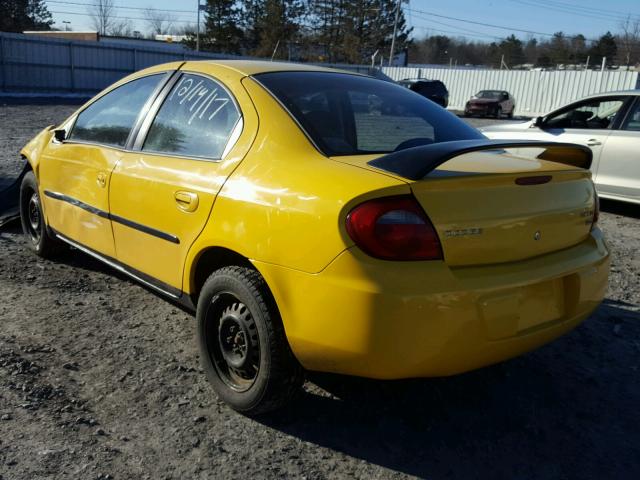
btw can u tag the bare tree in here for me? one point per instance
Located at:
(185, 29)
(121, 28)
(159, 22)
(102, 14)
(629, 40)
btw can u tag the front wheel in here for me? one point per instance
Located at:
(32, 219)
(498, 112)
(243, 346)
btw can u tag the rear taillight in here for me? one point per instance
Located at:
(596, 209)
(394, 228)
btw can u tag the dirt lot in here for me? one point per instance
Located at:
(99, 379)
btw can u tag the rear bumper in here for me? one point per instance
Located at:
(380, 319)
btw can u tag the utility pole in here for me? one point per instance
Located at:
(273, 55)
(395, 29)
(198, 29)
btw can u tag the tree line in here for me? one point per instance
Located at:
(620, 49)
(349, 31)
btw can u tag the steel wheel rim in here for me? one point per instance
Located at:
(232, 341)
(34, 217)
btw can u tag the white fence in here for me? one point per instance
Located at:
(535, 92)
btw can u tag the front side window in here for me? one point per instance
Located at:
(196, 119)
(109, 119)
(349, 114)
(598, 113)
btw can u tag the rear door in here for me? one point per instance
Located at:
(618, 172)
(75, 174)
(162, 193)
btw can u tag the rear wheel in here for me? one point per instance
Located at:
(243, 347)
(32, 219)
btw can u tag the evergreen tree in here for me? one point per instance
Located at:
(21, 15)
(271, 23)
(222, 33)
(511, 48)
(604, 47)
(352, 30)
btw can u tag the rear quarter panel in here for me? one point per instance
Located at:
(285, 204)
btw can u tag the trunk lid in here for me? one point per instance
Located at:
(493, 215)
(495, 202)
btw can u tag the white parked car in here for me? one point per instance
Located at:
(608, 123)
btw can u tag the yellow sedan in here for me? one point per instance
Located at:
(320, 220)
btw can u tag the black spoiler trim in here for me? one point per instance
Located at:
(417, 162)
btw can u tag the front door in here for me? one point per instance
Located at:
(588, 123)
(75, 174)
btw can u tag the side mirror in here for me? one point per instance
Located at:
(59, 135)
(537, 122)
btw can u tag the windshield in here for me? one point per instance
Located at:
(493, 94)
(350, 114)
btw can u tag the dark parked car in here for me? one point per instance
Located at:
(434, 90)
(491, 103)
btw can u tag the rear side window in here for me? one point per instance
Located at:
(195, 120)
(350, 114)
(110, 118)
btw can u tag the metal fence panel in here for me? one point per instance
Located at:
(34, 64)
(536, 92)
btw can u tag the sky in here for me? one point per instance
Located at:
(536, 18)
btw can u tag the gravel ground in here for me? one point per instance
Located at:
(99, 379)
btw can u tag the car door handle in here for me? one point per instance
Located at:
(187, 201)
(593, 142)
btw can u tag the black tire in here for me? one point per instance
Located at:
(243, 346)
(32, 219)
(498, 112)
(510, 116)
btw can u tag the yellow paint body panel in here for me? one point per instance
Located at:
(144, 188)
(379, 319)
(279, 203)
(83, 173)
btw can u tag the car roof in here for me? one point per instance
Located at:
(616, 93)
(253, 67)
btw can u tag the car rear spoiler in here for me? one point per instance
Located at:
(417, 162)
(10, 197)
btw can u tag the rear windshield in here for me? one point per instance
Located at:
(436, 87)
(349, 114)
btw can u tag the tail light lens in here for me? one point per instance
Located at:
(394, 228)
(596, 209)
